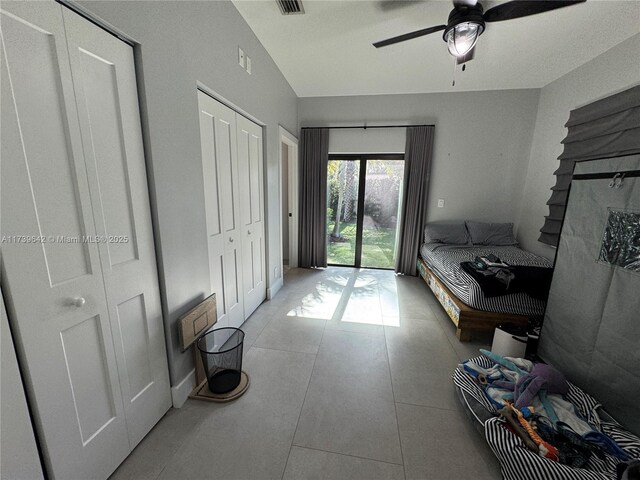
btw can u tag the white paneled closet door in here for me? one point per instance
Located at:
(56, 290)
(218, 142)
(86, 315)
(250, 175)
(104, 78)
(232, 168)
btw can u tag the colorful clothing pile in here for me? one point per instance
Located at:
(544, 427)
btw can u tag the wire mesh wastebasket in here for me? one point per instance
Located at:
(221, 351)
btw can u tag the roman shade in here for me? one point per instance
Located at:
(603, 129)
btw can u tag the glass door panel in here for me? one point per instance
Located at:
(381, 212)
(343, 178)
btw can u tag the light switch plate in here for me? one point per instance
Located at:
(249, 65)
(241, 58)
(440, 202)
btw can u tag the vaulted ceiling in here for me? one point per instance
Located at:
(327, 50)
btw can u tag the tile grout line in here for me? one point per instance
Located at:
(295, 430)
(395, 408)
(445, 335)
(262, 329)
(198, 427)
(163, 469)
(348, 455)
(427, 406)
(281, 350)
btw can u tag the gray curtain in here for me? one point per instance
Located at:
(314, 156)
(417, 169)
(607, 128)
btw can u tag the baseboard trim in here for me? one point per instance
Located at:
(275, 288)
(181, 391)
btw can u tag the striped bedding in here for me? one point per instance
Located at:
(519, 463)
(444, 261)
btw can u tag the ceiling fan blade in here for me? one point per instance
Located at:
(519, 8)
(409, 36)
(468, 57)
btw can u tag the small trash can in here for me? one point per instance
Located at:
(510, 340)
(221, 351)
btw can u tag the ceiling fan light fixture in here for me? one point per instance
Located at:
(463, 37)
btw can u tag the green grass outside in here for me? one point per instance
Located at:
(377, 246)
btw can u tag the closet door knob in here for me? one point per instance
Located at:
(248, 232)
(78, 302)
(230, 240)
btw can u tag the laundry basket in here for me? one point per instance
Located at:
(221, 351)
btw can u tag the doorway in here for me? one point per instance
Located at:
(364, 195)
(289, 200)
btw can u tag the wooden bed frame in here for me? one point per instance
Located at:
(466, 319)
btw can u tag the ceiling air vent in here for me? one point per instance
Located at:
(290, 7)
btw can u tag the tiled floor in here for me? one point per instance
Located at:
(350, 379)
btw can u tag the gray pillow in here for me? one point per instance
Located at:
(454, 233)
(491, 233)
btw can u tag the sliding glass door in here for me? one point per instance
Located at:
(343, 182)
(363, 209)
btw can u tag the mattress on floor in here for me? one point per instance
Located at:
(519, 463)
(444, 261)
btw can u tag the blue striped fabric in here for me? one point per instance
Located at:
(519, 463)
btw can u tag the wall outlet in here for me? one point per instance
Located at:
(249, 65)
(241, 57)
(440, 202)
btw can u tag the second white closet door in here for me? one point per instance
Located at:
(250, 175)
(220, 174)
(232, 169)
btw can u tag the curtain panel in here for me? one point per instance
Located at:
(417, 170)
(314, 157)
(607, 128)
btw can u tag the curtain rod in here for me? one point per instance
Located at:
(371, 126)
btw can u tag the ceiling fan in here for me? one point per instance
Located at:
(467, 22)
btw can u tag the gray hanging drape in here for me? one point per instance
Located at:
(314, 156)
(607, 128)
(417, 169)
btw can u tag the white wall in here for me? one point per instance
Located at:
(373, 140)
(481, 146)
(613, 71)
(18, 454)
(182, 43)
